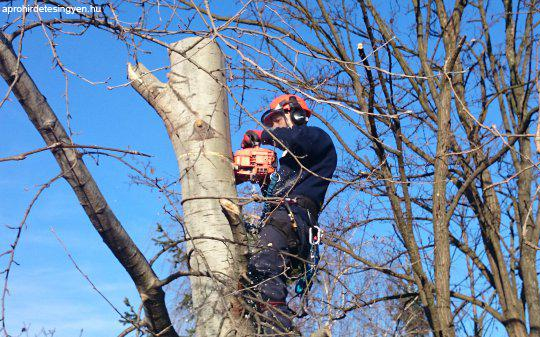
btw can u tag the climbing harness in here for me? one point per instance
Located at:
(309, 268)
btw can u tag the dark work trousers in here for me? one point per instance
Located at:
(267, 268)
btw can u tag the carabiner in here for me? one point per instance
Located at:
(315, 239)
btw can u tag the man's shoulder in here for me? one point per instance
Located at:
(320, 133)
(314, 129)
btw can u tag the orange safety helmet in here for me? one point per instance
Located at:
(296, 105)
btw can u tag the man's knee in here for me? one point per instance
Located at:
(266, 263)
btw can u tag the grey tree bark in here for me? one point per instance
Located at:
(193, 107)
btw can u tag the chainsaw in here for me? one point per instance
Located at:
(254, 164)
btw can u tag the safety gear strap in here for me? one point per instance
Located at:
(307, 204)
(294, 224)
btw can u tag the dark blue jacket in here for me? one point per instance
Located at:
(315, 150)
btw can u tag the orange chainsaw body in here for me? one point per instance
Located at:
(254, 164)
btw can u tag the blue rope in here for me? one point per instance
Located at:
(269, 192)
(305, 282)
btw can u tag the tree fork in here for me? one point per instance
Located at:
(193, 106)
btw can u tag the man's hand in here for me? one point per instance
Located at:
(251, 138)
(239, 179)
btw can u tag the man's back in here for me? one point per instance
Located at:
(314, 149)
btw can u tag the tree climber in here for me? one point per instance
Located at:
(308, 162)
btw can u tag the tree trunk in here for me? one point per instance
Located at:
(194, 109)
(440, 229)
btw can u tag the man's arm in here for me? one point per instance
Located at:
(301, 140)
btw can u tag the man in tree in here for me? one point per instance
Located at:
(305, 169)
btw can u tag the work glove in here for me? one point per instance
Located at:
(251, 138)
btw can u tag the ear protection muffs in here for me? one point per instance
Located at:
(298, 115)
